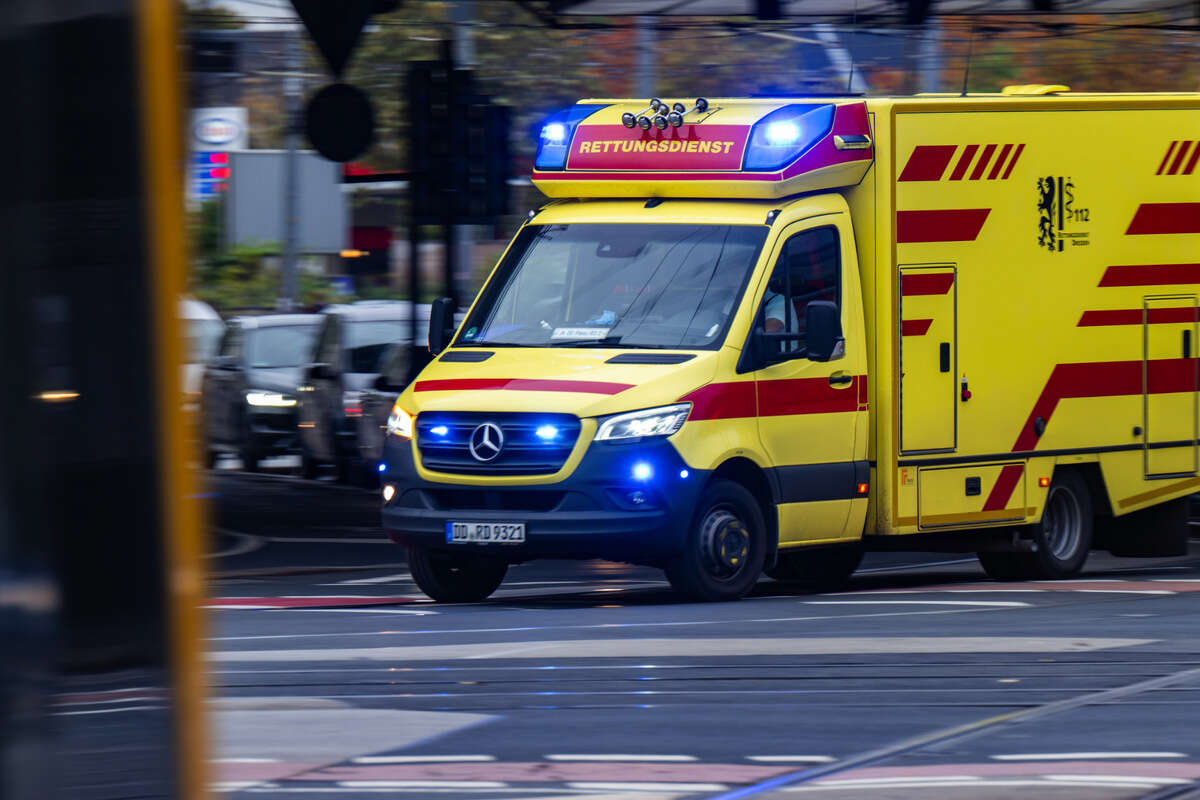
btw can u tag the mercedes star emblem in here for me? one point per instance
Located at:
(486, 441)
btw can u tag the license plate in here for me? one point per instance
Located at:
(501, 532)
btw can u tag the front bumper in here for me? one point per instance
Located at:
(273, 431)
(592, 513)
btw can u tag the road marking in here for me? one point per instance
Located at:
(910, 784)
(419, 759)
(906, 567)
(423, 784)
(1114, 779)
(244, 760)
(1125, 591)
(791, 759)
(647, 787)
(399, 576)
(993, 603)
(410, 612)
(616, 757)
(246, 543)
(907, 779)
(1081, 756)
(106, 711)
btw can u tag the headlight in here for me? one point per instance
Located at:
(662, 421)
(270, 400)
(400, 423)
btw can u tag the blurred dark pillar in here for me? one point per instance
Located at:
(98, 584)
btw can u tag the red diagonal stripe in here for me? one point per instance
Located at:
(1183, 151)
(1150, 274)
(1154, 218)
(964, 161)
(982, 163)
(942, 225)
(1003, 488)
(928, 162)
(917, 283)
(1013, 163)
(519, 385)
(915, 327)
(999, 162)
(1134, 316)
(1167, 157)
(1191, 165)
(1100, 379)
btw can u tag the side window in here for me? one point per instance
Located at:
(231, 342)
(808, 269)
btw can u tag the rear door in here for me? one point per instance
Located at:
(1170, 385)
(928, 358)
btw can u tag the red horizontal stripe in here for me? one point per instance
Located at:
(964, 162)
(928, 162)
(791, 396)
(1150, 274)
(519, 385)
(1152, 218)
(942, 225)
(919, 283)
(722, 401)
(1133, 316)
(1002, 490)
(915, 327)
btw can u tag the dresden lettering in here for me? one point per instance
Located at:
(668, 146)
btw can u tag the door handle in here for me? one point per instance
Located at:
(944, 356)
(840, 379)
(1187, 344)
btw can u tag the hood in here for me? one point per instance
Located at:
(278, 379)
(582, 382)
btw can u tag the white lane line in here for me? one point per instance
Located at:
(419, 759)
(791, 759)
(979, 590)
(526, 647)
(616, 757)
(1114, 779)
(244, 761)
(1177, 580)
(647, 787)
(1124, 591)
(423, 784)
(1092, 756)
(409, 611)
(106, 711)
(232, 786)
(992, 603)
(910, 784)
(246, 543)
(893, 779)
(399, 576)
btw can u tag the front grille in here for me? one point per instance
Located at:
(482, 500)
(443, 440)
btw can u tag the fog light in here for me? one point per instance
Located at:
(382, 467)
(389, 492)
(637, 498)
(683, 473)
(642, 471)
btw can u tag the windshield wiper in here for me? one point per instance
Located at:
(496, 344)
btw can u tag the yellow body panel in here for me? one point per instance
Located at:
(1051, 242)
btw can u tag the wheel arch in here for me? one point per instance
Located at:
(754, 479)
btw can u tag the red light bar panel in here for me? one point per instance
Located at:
(687, 148)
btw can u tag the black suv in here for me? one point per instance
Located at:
(346, 364)
(248, 393)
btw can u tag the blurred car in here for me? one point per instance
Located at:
(377, 400)
(345, 364)
(248, 394)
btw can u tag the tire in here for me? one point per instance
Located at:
(725, 548)
(455, 577)
(1062, 538)
(247, 452)
(310, 468)
(824, 569)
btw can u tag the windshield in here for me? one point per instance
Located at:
(279, 346)
(367, 340)
(617, 285)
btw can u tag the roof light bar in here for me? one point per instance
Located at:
(554, 143)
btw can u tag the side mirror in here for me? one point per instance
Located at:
(823, 330)
(322, 371)
(384, 383)
(441, 324)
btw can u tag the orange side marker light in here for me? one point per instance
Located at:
(1043, 482)
(863, 488)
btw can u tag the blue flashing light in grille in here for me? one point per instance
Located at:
(683, 473)
(439, 430)
(547, 433)
(382, 467)
(785, 134)
(642, 471)
(554, 142)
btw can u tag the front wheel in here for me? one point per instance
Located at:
(1062, 539)
(455, 577)
(725, 547)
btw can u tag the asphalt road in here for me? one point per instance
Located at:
(333, 676)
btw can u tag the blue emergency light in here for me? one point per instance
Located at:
(554, 142)
(782, 136)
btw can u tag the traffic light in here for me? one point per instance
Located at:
(458, 147)
(769, 9)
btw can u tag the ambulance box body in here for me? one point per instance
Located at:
(782, 332)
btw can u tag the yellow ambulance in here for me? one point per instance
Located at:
(765, 335)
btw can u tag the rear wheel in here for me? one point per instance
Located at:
(725, 548)
(822, 569)
(1062, 538)
(455, 577)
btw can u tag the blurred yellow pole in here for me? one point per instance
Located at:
(160, 96)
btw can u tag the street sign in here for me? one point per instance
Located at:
(334, 27)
